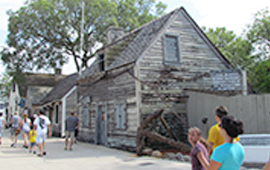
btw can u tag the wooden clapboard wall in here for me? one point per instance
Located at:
(197, 58)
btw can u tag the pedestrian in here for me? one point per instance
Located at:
(71, 125)
(76, 130)
(2, 126)
(42, 125)
(199, 153)
(26, 129)
(229, 155)
(33, 144)
(214, 136)
(16, 125)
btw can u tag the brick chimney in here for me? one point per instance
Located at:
(114, 33)
(58, 71)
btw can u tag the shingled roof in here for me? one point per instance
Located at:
(136, 41)
(60, 89)
(128, 49)
(38, 79)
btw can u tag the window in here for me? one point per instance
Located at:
(56, 113)
(172, 49)
(120, 116)
(85, 118)
(14, 87)
(101, 62)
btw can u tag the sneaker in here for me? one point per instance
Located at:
(12, 145)
(44, 153)
(30, 151)
(15, 146)
(34, 152)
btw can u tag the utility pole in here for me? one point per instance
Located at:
(81, 44)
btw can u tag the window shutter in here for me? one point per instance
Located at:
(85, 117)
(56, 113)
(123, 117)
(117, 115)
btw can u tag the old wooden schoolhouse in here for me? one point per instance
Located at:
(143, 71)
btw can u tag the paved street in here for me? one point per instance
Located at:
(83, 156)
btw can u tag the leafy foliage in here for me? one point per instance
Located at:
(259, 34)
(236, 49)
(5, 84)
(44, 33)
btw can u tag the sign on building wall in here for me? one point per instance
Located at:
(227, 80)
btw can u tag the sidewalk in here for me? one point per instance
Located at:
(83, 156)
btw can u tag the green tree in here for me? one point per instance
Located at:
(44, 33)
(259, 76)
(259, 34)
(236, 49)
(5, 84)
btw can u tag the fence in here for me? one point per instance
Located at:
(253, 110)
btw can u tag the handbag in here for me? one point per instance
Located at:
(17, 131)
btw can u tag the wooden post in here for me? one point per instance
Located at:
(142, 134)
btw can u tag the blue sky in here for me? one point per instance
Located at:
(232, 14)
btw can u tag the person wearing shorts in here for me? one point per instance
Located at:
(42, 124)
(16, 125)
(26, 129)
(71, 124)
(2, 126)
(33, 144)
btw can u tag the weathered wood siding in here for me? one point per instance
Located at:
(253, 110)
(114, 89)
(197, 59)
(71, 102)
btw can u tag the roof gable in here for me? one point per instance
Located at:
(36, 93)
(60, 89)
(144, 35)
(206, 39)
(130, 47)
(38, 79)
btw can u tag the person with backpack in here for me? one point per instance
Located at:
(16, 125)
(42, 124)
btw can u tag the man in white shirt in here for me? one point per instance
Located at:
(42, 124)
